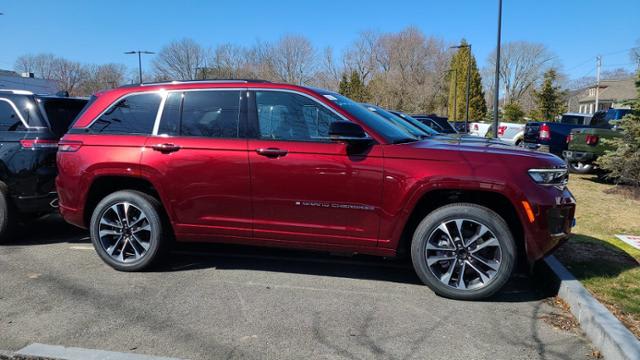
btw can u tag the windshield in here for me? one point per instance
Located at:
(391, 133)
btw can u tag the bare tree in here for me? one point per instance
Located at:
(41, 65)
(362, 55)
(329, 74)
(181, 60)
(69, 75)
(522, 64)
(292, 59)
(102, 77)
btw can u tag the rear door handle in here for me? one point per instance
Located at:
(166, 148)
(272, 152)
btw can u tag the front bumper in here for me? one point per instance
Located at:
(554, 218)
(578, 156)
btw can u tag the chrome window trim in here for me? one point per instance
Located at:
(156, 123)
(156, 126)
(22, 120)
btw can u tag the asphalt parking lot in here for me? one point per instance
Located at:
(213, 301)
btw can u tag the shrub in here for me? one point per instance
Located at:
(623, 163)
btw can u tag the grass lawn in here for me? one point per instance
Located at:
(608, 267)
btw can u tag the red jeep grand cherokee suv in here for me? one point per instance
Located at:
(254, 162)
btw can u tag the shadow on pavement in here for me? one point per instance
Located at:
(190, 257)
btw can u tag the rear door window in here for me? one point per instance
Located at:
(213, 114)
(9, 118)
(132, 115)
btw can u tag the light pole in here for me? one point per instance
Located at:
(139, 52)
(497, 88)
(466, 117)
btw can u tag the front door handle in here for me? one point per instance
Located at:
(272, 152)
(166, 148)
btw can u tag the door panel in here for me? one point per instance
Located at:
(201, 160)
(206, 183)
(316, 193)
(305, 187)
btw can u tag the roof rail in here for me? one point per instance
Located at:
(17, 92)
(212, 81)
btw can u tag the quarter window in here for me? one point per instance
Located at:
(287, 116)
(9, 119)
(214, 114)
(134, 114)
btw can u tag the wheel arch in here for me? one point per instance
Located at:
(434, 199)
(104, 185)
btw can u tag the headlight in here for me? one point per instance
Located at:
(552, 177)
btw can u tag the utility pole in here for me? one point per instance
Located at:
(598, 66)
(497, 81)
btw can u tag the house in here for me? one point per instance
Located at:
(26, 81)
(612, 94)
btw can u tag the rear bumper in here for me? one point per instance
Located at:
(578, 156)
(36, 203)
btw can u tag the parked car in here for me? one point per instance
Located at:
(439, 124)
(461, 126)
(461, 138)
(585, 145)
(268, 164)
(30, 126)
(551, 136)
(511, 133)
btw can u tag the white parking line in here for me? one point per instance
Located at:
(81, 247)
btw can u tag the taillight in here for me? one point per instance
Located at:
(545, 132)
(69, 146)
(501, 130)
(569, 138)
(592, 140)
(475, 126)
(38, 144)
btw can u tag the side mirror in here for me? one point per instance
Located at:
(347, 131)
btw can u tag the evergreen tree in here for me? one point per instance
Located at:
(623, 163)
(353, 87)
(513, 112)
(458, 86)
(548, 99)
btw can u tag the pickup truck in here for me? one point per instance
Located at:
(585, 144)
(552, 136)
(510, 133)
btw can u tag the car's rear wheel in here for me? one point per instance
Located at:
(5, 218)
(127, 230)
(578, 167)
(463, 251)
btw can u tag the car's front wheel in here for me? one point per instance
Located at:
(127, 230)
(463, 251)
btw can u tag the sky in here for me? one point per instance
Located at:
(99, 32)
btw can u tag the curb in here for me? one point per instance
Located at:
(604, 330)
(54, 352)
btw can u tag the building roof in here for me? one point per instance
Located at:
(612, 90)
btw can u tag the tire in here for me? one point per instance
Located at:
(580, 168)
(127, 248)
(5, 218)
(442, 276)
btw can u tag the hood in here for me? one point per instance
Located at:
(468, 139)
(479, 150)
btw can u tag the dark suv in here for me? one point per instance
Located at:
(30, 126)
(260, 163)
